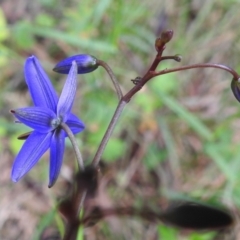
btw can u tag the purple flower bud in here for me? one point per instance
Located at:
(85, 64)
(235, 86)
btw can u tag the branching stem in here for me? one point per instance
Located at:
(149, 75)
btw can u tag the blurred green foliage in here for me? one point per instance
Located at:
(191, 117)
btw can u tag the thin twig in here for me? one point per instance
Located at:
(74, 144)
(177, 58)
(112, 76)
(203, 65)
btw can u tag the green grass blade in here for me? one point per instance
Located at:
(195, 123)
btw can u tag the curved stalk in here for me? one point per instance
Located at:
(74, 144)
(112, 76)
(203, 65)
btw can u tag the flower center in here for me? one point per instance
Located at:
(56, 122)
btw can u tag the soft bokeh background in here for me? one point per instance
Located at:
(178, 138)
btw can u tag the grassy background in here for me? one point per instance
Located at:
(177, 138)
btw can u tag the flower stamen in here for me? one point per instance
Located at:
(56, 122)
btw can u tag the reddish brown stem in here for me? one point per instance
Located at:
(203, 65)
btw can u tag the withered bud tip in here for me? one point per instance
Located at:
(166, 36)
(178, 58)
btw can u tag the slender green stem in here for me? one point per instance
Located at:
(74, 144)
(112, 76)
(108, 133)
(80, 234)
(84, 194)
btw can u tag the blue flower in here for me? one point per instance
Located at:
(45, 119)
(85, 64)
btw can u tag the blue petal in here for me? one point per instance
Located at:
(56, 155)
(85, 64)
(37, 118)
(75, 124)
(32, 150)
(40, 87)
(68, 94)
